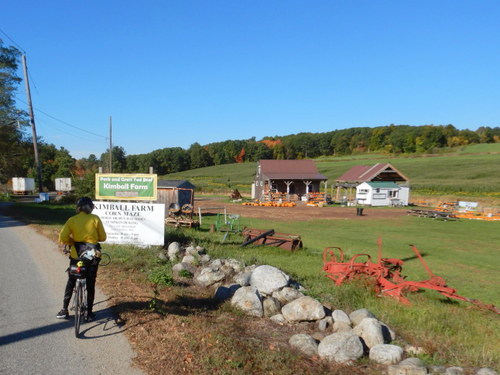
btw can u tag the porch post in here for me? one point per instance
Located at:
(288, 183)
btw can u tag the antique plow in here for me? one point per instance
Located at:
(386, 275)
(286, 241)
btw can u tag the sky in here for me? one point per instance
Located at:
(172, 73)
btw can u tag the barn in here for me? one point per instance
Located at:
(175, 192)
(377, 185)
(288, 179)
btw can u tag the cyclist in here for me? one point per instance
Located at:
(82, 231)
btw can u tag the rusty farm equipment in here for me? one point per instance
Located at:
(271, 238)
(386, 275)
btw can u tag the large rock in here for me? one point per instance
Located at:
(486, 371)
(278, 318)
(208, 276)
(371, 331)
(386, 354)
(341, 321)
(358, 315)
(409, 366)
(268, 279)
(242, 278)
(304, 343)
(248, 299)
(190, 259)
(287, 295)
(454, 371)
(303, 309)
(179, 268)
(271, 306)
(341, 347)
(173, 251)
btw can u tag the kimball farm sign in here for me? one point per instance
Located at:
(141, 224)
(131, 187)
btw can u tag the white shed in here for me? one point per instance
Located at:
(381, 193)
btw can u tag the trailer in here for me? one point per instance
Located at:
(23, 185)
(63, 184)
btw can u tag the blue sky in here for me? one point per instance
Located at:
(172, 73)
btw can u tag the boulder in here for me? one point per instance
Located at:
(303, 309)
(191, 259)
(409, 366)
(370, 330)
(386, 354)
(278, 318)
(191, 250)
(304, 343)
(208, 276)
(186, 267)
(341, 347)
(486, 371)
(358, 315)
(287, 295)
(173, 251)
(268, 279)
(271, 306)
(242, 278)
(325, 323)
(454, 371)
(248, 299)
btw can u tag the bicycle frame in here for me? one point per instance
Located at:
(80, 303)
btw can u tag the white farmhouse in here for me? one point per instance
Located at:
(376, 185)
(380, 193)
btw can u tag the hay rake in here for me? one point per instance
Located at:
(386, 275)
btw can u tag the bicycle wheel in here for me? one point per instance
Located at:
(105, 259)
(78, 306)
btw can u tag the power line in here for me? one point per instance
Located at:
(13, 41)
(64, 122)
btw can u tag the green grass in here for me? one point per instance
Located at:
(464, 252)
(470, 171)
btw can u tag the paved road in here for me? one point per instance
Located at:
(32, 340)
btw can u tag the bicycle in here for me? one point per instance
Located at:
(79, 271)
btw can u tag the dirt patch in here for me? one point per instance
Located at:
(182, 330)
(301, 212)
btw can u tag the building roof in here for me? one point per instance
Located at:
(377, 172)
(290, 170)
(174, 184)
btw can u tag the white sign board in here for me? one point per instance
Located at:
(141, 224)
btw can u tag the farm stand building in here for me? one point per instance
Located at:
(175, 193)
(287, 179)
(377, 185)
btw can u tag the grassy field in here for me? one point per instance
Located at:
(470, 172)
(464, 252)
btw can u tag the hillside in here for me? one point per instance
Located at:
(468, 173)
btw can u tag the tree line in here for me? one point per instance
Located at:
(16, 146)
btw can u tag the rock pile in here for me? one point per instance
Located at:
(267, 292)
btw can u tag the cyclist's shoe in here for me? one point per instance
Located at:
(63, 314)
(90, 317)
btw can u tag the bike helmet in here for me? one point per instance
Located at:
(84, 204)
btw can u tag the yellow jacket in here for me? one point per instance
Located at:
(82, 227)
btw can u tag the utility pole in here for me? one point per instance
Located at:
(110, 146)
(33, 128)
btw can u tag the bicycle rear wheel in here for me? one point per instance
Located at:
(78, 307)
